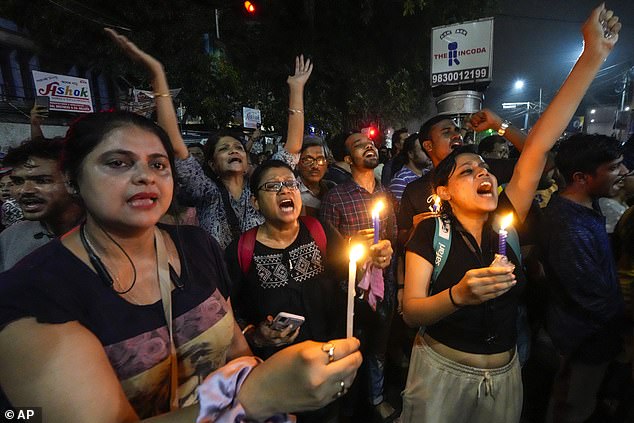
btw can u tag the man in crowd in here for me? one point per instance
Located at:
(339, 171)
(312, 168)
(49, 210)
(439, 136)
(417, 163)
(347, 208)
(398, 160)
(493, 147)
(585, 304)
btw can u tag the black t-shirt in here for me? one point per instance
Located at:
(487, 328)
(292, 279)
(55, 286)
(414, 200)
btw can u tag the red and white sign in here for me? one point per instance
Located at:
(66, 93)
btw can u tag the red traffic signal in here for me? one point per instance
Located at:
(250, 7)
(371, 132)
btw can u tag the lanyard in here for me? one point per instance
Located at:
(166, 299)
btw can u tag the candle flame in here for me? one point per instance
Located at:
(356, 252)
(377, 208)
(506, 221)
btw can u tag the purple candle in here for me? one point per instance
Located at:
(505, 223)
(376, 220)
(502, 245)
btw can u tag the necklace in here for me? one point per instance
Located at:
(100, 267)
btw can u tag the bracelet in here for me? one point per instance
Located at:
(161, 95)
(452, 300)
(503, 127)
(247, 328)
(293, 111)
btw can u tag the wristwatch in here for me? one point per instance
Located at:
(503, 127)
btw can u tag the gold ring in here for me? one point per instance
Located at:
(329, 348)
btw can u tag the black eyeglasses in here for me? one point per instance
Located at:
(277, 186)
(309, 161)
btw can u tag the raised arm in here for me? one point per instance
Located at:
(36, 118)
(164, 105)
(296, 83)
(485, 119)
(555, 118)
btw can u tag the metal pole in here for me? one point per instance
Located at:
(540, 102)
(217, 26)
(528, 107)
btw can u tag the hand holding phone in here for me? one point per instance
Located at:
(285, 320)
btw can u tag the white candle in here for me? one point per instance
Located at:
(356, 252)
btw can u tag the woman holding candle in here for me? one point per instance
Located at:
(289, 271)
(465, 367)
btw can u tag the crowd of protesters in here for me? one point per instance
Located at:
(144, 277)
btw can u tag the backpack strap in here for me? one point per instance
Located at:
(442, 244)
(317, 232)
(246, 245)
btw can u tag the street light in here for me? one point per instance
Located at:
(519, 85)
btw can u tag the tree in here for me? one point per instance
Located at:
(371, 56)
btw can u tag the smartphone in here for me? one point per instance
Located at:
(284, 320)
(43, 101)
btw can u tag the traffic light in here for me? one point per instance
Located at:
(249, 7)
(371, 132)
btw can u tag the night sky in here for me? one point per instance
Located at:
(539, 40)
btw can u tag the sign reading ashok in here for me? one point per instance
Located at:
(251, 118)
(67, 93)
(462, 53)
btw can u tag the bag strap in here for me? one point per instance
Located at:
(246, 245)
(442, 245)
(317, 232)
(165, 285)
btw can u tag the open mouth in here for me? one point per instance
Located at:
(485, 188)
(143, 199)
(235, 160)
(287, 206)
(31, 203)
(455, 144)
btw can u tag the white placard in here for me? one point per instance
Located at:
(66, 93)
(462, 53)
(251, 118)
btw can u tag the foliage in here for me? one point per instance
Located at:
(371, 56)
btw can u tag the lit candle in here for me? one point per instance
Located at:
(436, 206)
(504, 223)
(356, 252)
(376, 221)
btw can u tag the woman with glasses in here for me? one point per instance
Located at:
(287, 269)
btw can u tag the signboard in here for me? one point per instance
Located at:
(462, 53)
(251, 118)
(67, 93)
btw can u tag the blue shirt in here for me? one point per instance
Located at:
(584, 297)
